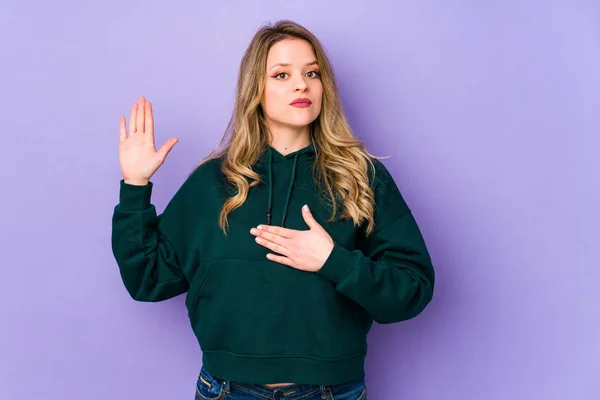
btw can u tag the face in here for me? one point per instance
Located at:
(292, 73)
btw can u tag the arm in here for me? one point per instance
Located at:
(147, 247)
(390, 274)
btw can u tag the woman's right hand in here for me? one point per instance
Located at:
(137, 152)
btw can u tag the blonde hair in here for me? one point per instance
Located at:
(342, 161)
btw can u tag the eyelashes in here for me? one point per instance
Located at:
(277, 76)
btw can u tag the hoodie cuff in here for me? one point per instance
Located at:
(339, 264)
(134, 197)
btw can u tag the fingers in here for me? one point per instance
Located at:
(132, 118)
(279, 259)
(140, 114)
(277, 248)
(149, 121)
(271, 237)
(163, 152)
(308, 218)
(287, 233)
(122, 130)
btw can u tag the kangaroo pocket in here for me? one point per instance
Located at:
(262, 308)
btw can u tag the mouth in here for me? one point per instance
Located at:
(301, 102)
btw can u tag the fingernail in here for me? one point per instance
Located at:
(305, 208)
(260, 227)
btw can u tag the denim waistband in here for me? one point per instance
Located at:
(289, 392)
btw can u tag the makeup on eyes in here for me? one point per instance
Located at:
(317, 73)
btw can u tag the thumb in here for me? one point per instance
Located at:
(308, 218)
(167, 147)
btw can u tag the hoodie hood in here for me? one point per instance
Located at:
(273, 160)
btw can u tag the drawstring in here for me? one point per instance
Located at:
(289, 192)
(270, 186)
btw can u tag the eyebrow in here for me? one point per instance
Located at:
(287, 65)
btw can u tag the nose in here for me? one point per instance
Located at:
(300, 84)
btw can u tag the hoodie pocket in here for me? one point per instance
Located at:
(261, 308)
(194, 291)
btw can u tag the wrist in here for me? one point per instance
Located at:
(136, 182)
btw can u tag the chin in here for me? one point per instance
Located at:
(300, 122)
(294, 121)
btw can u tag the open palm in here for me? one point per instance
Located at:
(137, 151)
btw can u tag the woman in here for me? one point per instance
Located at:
(290, 239)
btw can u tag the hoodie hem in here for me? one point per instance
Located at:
(273, 369)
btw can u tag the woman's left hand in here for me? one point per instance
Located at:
(303, 250)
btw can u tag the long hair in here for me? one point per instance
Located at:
(342, 162)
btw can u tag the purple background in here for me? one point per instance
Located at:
(489, 109)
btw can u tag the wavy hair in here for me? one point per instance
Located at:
(342, 162)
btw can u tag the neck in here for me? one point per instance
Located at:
(288, 140)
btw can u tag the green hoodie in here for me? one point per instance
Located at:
(258, 321)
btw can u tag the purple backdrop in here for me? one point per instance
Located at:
(489, 109)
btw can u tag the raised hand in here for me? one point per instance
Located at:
(137, 152)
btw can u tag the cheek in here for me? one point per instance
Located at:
(272, 99)
(318, 91)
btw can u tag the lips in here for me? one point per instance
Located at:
(301, 101)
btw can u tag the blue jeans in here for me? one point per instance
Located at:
(210, 387)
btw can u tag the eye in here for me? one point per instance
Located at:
(316, 74)
(277, 76)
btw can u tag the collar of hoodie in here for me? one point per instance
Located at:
(271, 157)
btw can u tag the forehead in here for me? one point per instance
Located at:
(296, 52)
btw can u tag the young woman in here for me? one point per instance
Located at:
(290, 239)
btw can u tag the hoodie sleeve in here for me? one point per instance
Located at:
(390, 273)
(148, 248)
